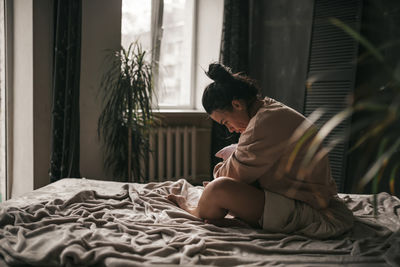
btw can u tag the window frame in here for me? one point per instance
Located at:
(157, 32)
(206, 40)
(6, 95)
(189, 80)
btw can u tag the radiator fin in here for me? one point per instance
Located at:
(173, 153)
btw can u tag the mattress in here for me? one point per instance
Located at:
(83, 222)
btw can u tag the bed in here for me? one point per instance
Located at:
(84, 222)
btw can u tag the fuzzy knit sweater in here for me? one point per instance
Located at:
(265, 155)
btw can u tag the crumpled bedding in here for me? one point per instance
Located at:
(83, 222)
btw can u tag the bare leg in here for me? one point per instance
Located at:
(225, 195)
(180, 201)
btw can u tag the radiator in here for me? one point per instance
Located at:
(173, 153)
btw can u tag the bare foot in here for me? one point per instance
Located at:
(181, 202)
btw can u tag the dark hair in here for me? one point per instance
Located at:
(227, 87)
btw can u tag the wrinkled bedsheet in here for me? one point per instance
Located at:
(83, 222)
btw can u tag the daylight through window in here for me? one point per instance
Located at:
(174, 46)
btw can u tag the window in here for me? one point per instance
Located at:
(167, 29)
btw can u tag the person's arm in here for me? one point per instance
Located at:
(226, 152)
(259, 148)
(249, 162)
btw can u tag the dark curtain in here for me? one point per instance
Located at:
(65, 88)
(235, 54)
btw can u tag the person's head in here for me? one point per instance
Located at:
(227, 100)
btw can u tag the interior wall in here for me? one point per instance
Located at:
(279, 48)
(21, 167)
(29, 95)
(101, 31)
(42, 87)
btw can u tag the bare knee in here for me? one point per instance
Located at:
(222, 182)
(211, 203)
(217, 193)
(219, 187)
(225, 195)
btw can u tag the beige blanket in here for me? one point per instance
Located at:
(81, 222)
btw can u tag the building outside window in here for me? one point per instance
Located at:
(176, 33)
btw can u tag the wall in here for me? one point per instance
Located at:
(279, 47)
(101, 30)
(42, 84)
(29, 95)
(21, 167)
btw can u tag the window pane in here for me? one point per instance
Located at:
(175, 62)
(171, 92)
(135, 26)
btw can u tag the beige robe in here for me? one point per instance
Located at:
(263, 153)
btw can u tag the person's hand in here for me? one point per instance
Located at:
(226, 152)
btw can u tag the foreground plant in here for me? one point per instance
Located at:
(375, 128)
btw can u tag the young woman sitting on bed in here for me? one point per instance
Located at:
(253, 182)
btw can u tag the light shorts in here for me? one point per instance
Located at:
(285, 215)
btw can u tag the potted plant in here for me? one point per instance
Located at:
(375, 114)
(123, 126)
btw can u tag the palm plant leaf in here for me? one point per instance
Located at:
(375, 128)
(381, 161)
(303, 133)
(127, 93)
(370, 47)
(322, 134)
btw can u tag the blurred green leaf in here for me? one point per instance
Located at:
(374, 51)
(378, 164)
(322, 134)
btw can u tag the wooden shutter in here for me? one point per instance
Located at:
(332, 69)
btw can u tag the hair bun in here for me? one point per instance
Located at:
(219, 73)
